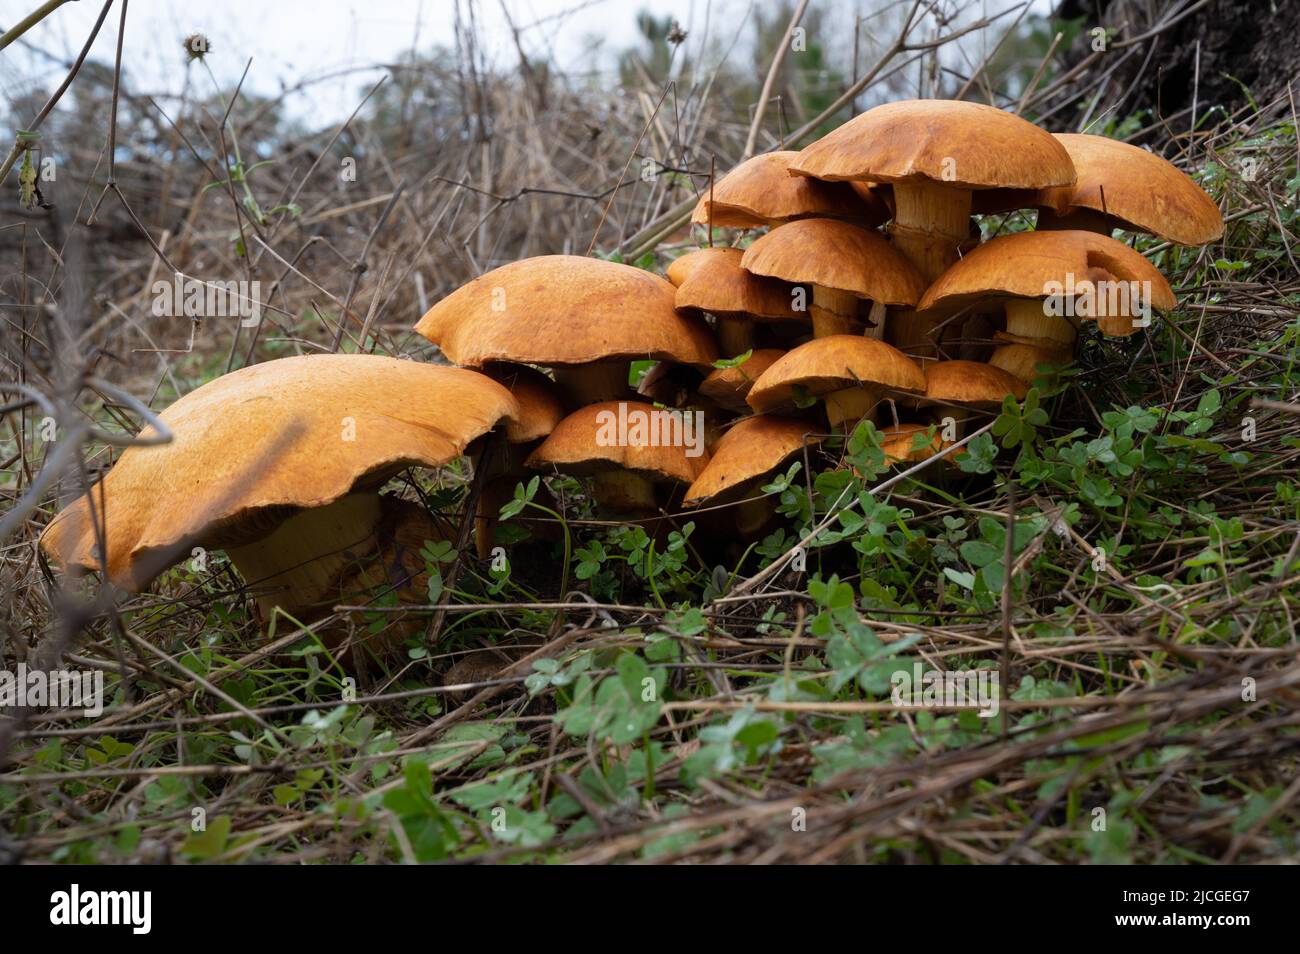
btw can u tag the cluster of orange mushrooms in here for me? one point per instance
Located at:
(820, 322)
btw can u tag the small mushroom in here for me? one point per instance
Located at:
(1034, 276)
(1121, 186)
(760, 191)
(728, 387)
(1022, 360)
(842, 263)
(750, 450)
(279, 465)
(585, 317)
(849, 372)
(961, 388)
(714, 282)
(623, 447)
(900, 445)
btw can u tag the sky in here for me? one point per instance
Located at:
(290, 40)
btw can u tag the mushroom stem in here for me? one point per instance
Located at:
(595, 382)
(735, 336)
(494, 495)
(623, 491)
(833, 311)
(1028, 318)
(875, 325)
(1079, 219)
(959, 417)
(844, 408)
(752, 515)
(307, 563)
(931, 221)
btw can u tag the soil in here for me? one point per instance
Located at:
(1243, 43)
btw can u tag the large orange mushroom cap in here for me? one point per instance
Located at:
(833, 363)
(761, 191)
(1025, 264)
(257, 445)
(1139, 190)
(565, 310)
(958, 144)
(751, 448)
(836, 255)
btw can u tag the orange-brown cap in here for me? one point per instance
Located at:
(1138, 189)
(256, 445)
(959, 144)
(591, 440)
(751, 448)
(899, 443)
(714, 282)
(836, 255)
(1021, 359)
(540, 406)
(969, 382)
(561, 310)
(728, 387)
(833, 363)
(1029, 264)
(761, 191)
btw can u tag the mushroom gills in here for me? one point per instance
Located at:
(307, 560)
(1078, 219)
(624, 491)
(593, 383)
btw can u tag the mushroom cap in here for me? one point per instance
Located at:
(1020, 358)
(953, 143)
(836, 255)
(750, 448)
(578, 445)
(1142, 191)
(761, 190)
(714, 282)
(897, 443)
(1022, 264)
(969, 382)
(729, 386)
(561, 310)
(540, 405)
(829, 364)
(254, 446)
